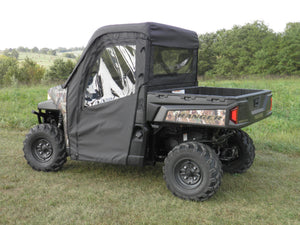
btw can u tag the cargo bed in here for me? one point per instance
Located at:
(234, 108)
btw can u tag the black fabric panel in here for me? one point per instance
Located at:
(72, 114)
(104, 134)
(170, 36)
(159, 34)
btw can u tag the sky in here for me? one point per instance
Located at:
(64, 23)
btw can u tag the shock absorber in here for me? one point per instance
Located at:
(60, 120)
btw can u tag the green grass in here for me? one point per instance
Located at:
(17, 104)
(93, 193)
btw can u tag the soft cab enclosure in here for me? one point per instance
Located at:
(107, 91)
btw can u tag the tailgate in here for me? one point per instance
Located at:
(254, 107)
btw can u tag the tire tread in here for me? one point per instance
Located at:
(211, 158)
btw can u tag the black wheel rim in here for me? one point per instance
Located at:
(229, 155)
(188, 174)
(42, 150)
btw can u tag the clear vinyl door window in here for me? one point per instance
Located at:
(112, 76)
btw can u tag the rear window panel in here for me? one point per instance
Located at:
(171, 61)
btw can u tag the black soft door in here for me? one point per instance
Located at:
(106, 121)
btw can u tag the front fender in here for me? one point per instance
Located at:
(47, 105)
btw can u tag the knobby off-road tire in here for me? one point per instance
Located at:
(245, 153)
(44, 148)
(192, 171)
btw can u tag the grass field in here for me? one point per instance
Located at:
(92, 193)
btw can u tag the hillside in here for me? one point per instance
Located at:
(45, 59)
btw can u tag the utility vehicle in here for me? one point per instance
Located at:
(133, 99)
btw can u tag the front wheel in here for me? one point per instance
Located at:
(192, 171)
(44, 148)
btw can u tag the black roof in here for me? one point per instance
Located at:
(159, 34)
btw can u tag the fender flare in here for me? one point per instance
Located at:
(48, 105)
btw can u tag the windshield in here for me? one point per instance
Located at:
(168, 60)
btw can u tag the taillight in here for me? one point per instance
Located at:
(234, 114)
(271, 104)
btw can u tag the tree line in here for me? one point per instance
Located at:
(47, 50)
(252, 49)
(12, 52)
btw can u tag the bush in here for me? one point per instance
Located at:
(30, 72)
(52, 52)
(70, 55)
(13, 53)
(9, 70)
(60, 70)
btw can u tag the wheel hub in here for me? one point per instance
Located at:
(42, 150)
(189, 173)
(229, 154)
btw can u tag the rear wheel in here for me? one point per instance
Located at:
(239, 153)
(192, 171)
(44, 148)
